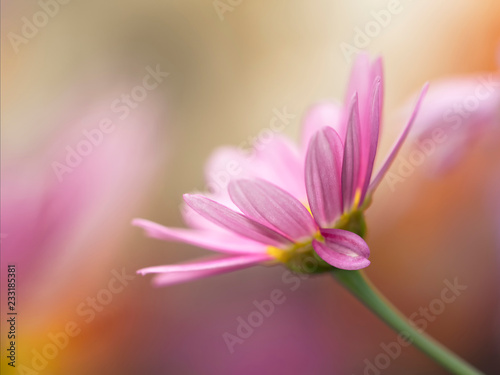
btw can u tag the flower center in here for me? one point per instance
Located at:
(301, 257)
(357, 198)
(297, 249)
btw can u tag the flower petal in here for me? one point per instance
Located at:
(374, 136)
(377, 80)
(364, 76)
(279, 162)
(206, 265)
(224, 164)
(208, 239)
(319, 116)
(175, 274)
(172, 278)
(194, 220)
(360, 82)
(443, 112)
(272, 206)
(397, 145)
(343, 249)
(275, 159)
(352, 155)
(235, 222)
(323, 176)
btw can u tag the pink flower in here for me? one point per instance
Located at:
(273, 212)
(458, 112)
(48, 224)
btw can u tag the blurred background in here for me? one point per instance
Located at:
(109, 111)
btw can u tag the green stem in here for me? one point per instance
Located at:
(359, 285)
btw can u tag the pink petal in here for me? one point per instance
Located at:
(273, 158)
(377, 72)
(364, 76)
(175, 274)
(194, 220)
(462, 110)
(208, 239)
(323, 176)
(276, 160)
(172, 278)
(360, 82)
(235, 222)
(279, 162)
(374, 136)
(274, 207)
(397, 145)
(352, 155)
(319, 116)
(343, 249)
(224, 164)
(205, 265)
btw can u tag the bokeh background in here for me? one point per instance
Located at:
(230, 64)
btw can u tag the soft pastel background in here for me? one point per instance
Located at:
(226, 76)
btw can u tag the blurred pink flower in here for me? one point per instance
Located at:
(49, 219)
(264, 217)
(457, 113)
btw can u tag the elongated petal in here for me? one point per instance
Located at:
(343, 249)
(194, 220)
(323, 176)
(205, 265)
(360, 82)
(378, 80)
(176, 274)
(461, 127)
(172, 278)
(225, 163)
(374, 136)
(235, 221)
(208, 239)
(352, 155)
(279, 162)
(365, 74)
(397, 145)
(272, 206)
(274, 158)
(319, 116)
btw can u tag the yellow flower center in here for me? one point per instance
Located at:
(357, 198)
(279, 254)
(285, 255)
(352, 220)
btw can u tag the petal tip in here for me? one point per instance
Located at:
(343, 249)
(137, 222)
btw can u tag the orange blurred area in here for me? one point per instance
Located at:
(109, 111)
